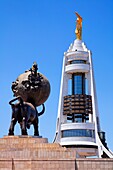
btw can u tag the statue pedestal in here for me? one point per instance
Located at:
(32, 153)
(35, 153)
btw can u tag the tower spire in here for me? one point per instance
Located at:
(78, 124)
(78, 30)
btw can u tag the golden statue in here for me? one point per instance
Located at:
(78, 30)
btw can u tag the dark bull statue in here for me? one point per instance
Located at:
(25, 114)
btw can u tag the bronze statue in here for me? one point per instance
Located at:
(26, 114)
(78, 30)
(32, 86)
(31, 90)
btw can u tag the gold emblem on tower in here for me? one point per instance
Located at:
(78, 30)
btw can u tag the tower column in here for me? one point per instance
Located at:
(78, 116)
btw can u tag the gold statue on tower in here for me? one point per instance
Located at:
(78, 30)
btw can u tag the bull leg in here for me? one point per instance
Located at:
(23, 127)
(11, 128)
(35, 124)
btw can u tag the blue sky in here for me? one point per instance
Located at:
(41, 31)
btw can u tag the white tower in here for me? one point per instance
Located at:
(78, 117)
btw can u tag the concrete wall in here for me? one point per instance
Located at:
(94, 164)
(78, 164)
(30, 153)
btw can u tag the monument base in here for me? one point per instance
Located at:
(35, 153)
(32, 153)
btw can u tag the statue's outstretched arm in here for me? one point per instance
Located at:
(78, 17)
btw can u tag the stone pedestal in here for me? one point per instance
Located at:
(32, 153)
